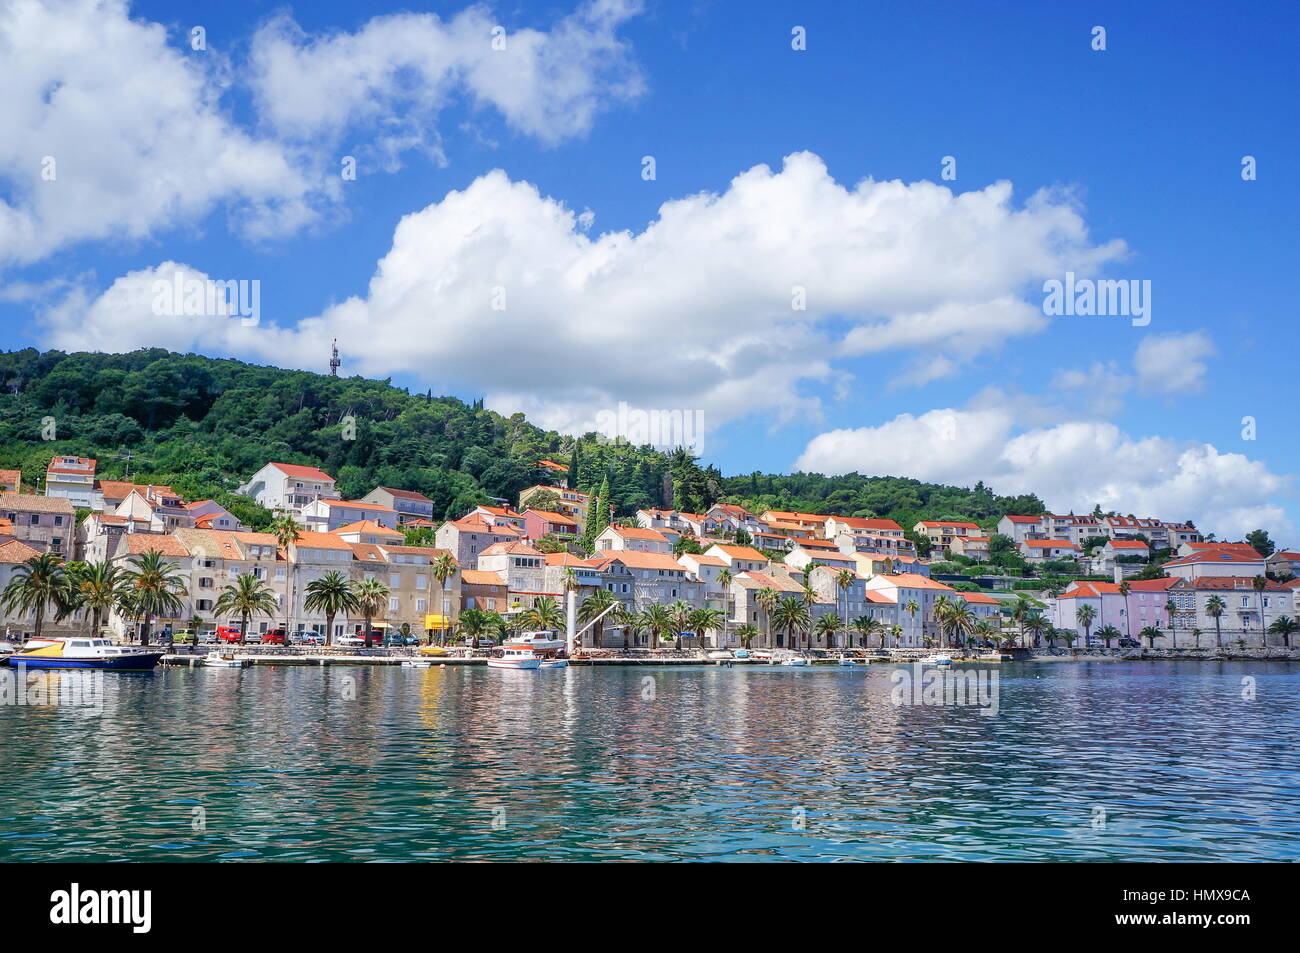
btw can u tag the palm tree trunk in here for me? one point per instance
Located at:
(329, 628)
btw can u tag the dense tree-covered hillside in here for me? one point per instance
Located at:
(205, 425)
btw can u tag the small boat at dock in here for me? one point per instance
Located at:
(937, 661)
(516, 657)
(417, 663)
(554, 663)
(225, 661)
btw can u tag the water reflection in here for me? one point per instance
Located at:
(631, 763)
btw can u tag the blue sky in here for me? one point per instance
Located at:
(1141, 143)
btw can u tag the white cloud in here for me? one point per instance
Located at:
(141, 142)
(1071, 466)
(134, 129)
(396, 73)
(693, 313)
(1172, 363)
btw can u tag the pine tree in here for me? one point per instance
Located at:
(574, 461)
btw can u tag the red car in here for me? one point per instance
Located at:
(275, 637)
(227, 633)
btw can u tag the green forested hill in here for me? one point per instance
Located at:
(204, 425)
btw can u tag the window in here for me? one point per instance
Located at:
(393, 604)
(394, 580)
(420, 606)
(421, 581)
(35, 520)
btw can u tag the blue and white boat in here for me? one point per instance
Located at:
(84, 652)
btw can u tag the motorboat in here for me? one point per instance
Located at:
(417, 663)
(740, 653)
(720, 654)
(848, 662)
(544, 642)
(516, 657)
(554, 663)
(436, 651)
(789, 659)
(217, 660)
(84, 653)
(937, 661)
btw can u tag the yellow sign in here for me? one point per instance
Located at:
(436, 621)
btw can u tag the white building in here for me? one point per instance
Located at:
(288, 487)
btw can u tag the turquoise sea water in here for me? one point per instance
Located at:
(1084, 761)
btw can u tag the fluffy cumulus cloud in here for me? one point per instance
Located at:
(112, 128)
(396, 73)
(722, 304)
(109, 130)
(1072, 465)
(1172, 363)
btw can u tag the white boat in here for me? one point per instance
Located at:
(417, 663)
(554, 663)
(938, 661)
(719, 654)
(225, 661)
(790, 659)
(516, 657)
(543, 642)
(848, 661)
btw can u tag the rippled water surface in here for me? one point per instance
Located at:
(1084, 761)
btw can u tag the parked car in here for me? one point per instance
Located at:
(184, 637)
(397, 639)
(307, 638)
(1127, 643)
(228, 633)
(1096, 642)
(486, 643)
(350, 640)
(275, 636)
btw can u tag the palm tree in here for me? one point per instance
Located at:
(442, 569)
(725, 579)
(680, 614)
(626, 619)
(287, 533)
(475, 623)
(1108, 633)
(747, 632)
(247, 596)
(656, 621)
(827, 627)
(1170, 608)
(37, 585)
(593, 606)
(1214, 608)
(1020, 613)
(866, 626)
(97, 587)
(1260, 583)
(896, 631)
(912, 609)
(157, 587)
(767, 599)
(545, 615)
(957, 621)
(1038, 625)
(844, 580)
(792, 615)
(1286, 627)
(988, 630)
(331, 594)
(370, 595)
(1085, 616)
(939, 612)
(1128, 620)
(706, 620)
(1151, 633)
